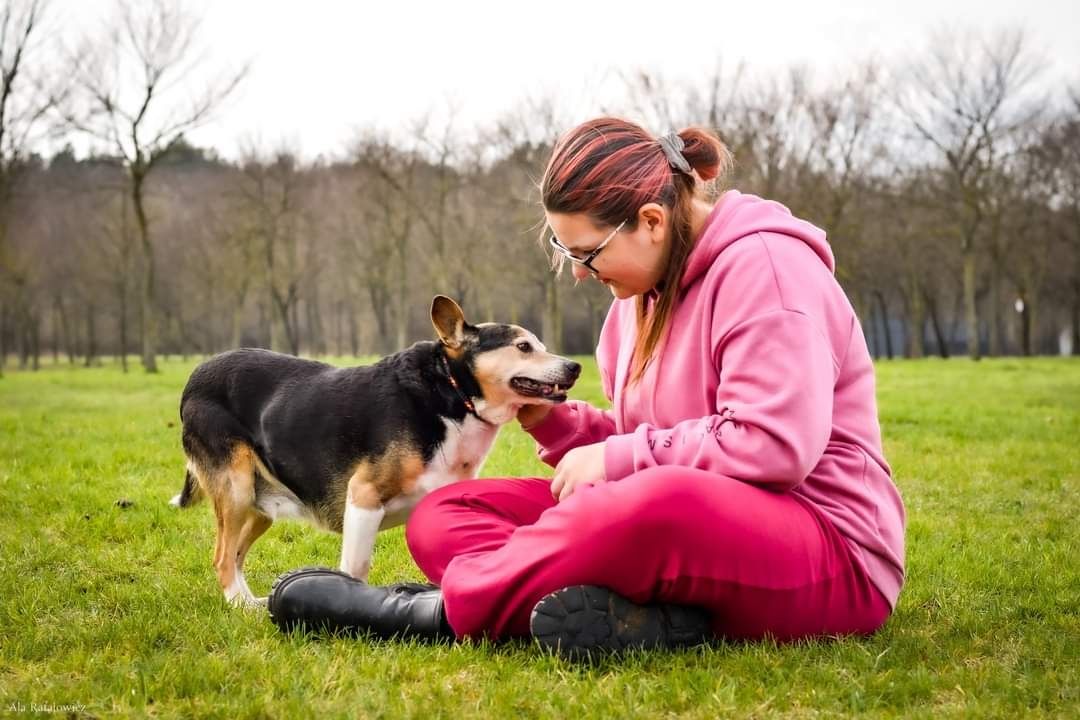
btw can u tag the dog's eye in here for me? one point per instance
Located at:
(524, 347)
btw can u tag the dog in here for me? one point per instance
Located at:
(352, 450)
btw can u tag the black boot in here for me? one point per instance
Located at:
(585, 620)
(326, 599)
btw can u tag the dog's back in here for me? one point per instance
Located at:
(308, 422)
(222, 402)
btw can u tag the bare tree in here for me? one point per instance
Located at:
(135, 88)
(964, 99)
(387, 197)
(272, 201)
(117, 243)
(24, 105)
(1059, 153)
(526, 138)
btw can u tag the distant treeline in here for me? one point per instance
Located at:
(949, 189)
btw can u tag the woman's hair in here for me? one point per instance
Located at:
(608, 168)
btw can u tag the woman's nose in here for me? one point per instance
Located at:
(580, 272)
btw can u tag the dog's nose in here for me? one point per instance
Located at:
(574, 369)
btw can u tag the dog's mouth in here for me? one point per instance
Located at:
(527, 387)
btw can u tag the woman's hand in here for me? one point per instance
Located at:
(581, 466)
(530, 415)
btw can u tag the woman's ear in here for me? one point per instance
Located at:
(653, 217)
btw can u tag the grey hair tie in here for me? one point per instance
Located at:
(673, 145)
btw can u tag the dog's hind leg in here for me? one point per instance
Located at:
(239, 524)
(255, 525)
(363, 515)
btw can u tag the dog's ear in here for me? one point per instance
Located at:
(449, 321)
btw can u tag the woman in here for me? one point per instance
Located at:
(736, 488)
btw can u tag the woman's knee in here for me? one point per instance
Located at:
(439, 523)
(430, 519)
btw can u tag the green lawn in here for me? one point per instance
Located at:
(117, 610)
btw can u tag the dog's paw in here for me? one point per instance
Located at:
(249, 603)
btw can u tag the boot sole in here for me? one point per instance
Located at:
(584, 620)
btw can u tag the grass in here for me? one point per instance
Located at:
(115, 610)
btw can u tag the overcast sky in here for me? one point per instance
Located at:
(321, 69)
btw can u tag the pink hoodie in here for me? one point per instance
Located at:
(765, 377)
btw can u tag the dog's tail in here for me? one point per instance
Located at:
(191, 493)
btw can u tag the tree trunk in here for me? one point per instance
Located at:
(236, 324)
(149, 314)
(186, 341)
(22, 341)
(210, 337)
(3, 334)
(864, 316)
(339, 331)
(266, 324)
(354, 333)
(402, 309)
(1025, 327)
(293, 327)
(29, 339)
(971, 315)
(596, 323)
(883, 313)
(935, 323)
(315, 330)
(551, 325)
(35, 341)
(277, 327)
(122, 280)
(1075, 318)
(54, 325)
(285, 336)
(381, 310)
(65, 329)
(22, 327)
(91, 336)
(916, 344)
(122, 292)
(994, 347)
(1031, 325)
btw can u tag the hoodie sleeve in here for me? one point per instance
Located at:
(575, 422)
(569, 425)
(773, 410)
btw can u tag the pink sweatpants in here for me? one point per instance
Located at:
(764, 564)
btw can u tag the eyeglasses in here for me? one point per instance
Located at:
(586, 261)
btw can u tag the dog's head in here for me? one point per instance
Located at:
(510, 365)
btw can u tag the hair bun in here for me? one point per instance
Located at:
(705, 152)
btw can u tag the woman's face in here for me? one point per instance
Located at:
(632, 261)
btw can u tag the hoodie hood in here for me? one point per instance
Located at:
(736, 216)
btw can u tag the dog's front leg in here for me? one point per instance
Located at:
(363, 514)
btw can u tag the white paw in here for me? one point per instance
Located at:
(248, 603)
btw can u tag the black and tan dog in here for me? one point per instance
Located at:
(353, 450)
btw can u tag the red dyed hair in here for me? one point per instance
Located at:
(608, 168)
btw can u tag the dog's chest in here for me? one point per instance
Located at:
(458, 457)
